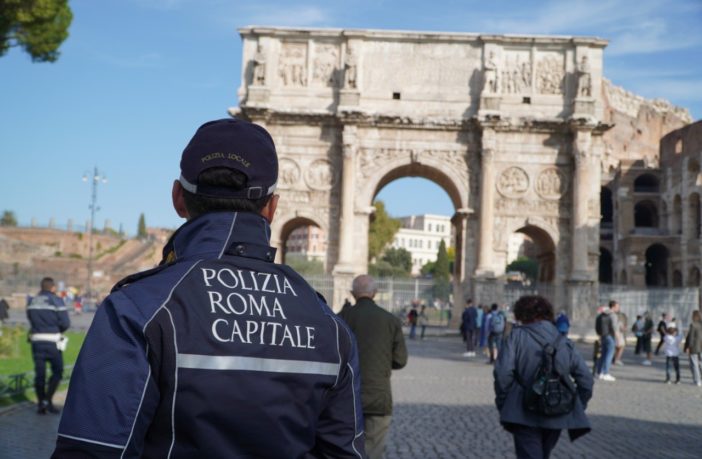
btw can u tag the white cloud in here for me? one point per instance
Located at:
(287, 15)
(632, 26)
(162, 5)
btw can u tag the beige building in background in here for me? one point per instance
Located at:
(421, 236)
(522, 132)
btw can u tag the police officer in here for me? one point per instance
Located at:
(48, 318)
(218, 352)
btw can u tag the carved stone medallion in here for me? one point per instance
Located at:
(289, 173)
(513, 182)
(320, 175)
(551, 184)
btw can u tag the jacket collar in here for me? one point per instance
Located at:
(217, 234)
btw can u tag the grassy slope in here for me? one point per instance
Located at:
(23, 361)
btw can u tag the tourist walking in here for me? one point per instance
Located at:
(562, 323)
(606, 326)
(479, 330)
(412, 320)
(620, 337)
(671, 350)
(381, 349)
(484, 329)
(638, 330)
(662, 328)
(217, 352)
(524, 355)
(468, 327)
(422, 321)
(496, 323)
(647, 339)
(693, 346)
(48, 319)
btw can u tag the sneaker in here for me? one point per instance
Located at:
(608, 377)
(668, 382)
(620, 363)
(42, 406)
(677, 382)
(698, 384)
(646, 363)
(466, 354)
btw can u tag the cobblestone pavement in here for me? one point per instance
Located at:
(444, 409)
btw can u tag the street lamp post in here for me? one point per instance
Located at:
(96, 177)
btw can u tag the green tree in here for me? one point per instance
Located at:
(382, 229)
(38, 26)
(395, 262)
(141, 228)
(8, 218)
(442, 275)
(304, 266)
(399, 258)
(525, 265)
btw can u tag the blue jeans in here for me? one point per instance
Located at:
(606, 354)
(413, 331)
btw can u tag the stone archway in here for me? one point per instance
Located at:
(520, 153)
(414, 165)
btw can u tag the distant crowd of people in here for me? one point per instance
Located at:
(611, 327)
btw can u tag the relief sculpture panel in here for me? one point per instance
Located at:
(292, 67)
(550, 74)
(551, 183)
(325, 63)
(289, 175)
(320, 175)
(513, 182)
(515, 76)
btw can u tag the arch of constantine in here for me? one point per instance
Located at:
(513, 128)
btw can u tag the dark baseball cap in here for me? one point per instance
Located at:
(235, 144)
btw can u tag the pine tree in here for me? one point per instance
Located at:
(442, 275)
(141, 229)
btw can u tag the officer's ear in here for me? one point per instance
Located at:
(179, 200)
(268, 210)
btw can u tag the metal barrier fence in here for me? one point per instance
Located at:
(395, 295)
(677, 302)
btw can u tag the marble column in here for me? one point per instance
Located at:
(581, 199)
(487, 205)
(346, 227)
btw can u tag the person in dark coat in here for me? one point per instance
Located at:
(381, 349)
(536, 435)
(469, 327)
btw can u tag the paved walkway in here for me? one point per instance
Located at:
(444, 409)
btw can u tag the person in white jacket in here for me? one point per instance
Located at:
(671, 349)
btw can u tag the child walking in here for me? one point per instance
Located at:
(671, 349)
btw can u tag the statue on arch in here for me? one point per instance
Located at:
(259, 67)
(350, 72)
(491, 74)
(584, 78)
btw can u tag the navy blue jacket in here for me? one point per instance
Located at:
(469, 319)
(218, 353)
(521, 357)
(47, 314)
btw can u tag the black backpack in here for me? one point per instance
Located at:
(550, 393)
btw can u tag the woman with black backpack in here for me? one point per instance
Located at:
(542, 384)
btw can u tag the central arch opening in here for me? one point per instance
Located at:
(423, 254)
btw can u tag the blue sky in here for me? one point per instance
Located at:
(136, 77)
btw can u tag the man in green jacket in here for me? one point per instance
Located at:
(381, 349)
